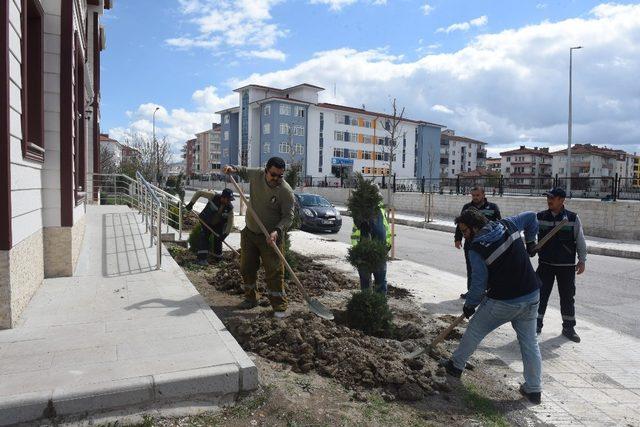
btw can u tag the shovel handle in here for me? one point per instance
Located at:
(444, 334)
(216, 234)
(266, 234)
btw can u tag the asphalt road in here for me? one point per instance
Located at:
(608, 293)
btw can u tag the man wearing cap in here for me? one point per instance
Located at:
(557, 260)
(217, 214)
(273, 202)
(489, 210)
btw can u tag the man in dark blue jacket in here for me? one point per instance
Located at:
(489, 210)
(500, 266)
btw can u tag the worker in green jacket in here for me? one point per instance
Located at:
(273, 202)
(378, 229)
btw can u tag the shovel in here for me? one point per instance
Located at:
(460, 318)
(315, 306)
(216, 234)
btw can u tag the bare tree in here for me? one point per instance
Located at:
(394, 129)
(107, 161)
(149, 161)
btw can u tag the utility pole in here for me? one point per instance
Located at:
(571, 49)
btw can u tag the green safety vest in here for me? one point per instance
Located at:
(355, 231)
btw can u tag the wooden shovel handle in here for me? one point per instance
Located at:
(444, 334)
(215, 234)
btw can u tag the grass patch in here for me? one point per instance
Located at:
(483, 407)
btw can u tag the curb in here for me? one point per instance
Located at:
(591, 249)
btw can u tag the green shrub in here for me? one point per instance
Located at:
(364, 200)
(194, 238)
(368, 255)
(369, 312)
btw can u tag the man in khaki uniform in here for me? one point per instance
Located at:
(273, 202)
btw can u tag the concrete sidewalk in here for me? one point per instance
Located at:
(596, 382)
(595, 245)
(118, 335)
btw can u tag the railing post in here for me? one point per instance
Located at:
(115, 190)
(179, 221)
(555, 181)
(422, 185)
(457, 185)
(159, 238)
(166, 213)
(394, 183)
(501, 185)
(615, 188)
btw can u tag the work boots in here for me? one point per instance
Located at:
(247, 304)
(570, 333)
(534, 398)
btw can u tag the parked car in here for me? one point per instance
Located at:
(317, 213)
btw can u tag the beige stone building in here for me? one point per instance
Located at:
(49, 139)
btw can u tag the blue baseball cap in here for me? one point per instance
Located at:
(556, 192)
(228, 194)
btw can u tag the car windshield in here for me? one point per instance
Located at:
(313, 200)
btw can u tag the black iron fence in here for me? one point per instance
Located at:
(605, 188)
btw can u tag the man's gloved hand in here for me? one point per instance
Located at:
(223, 236)
(189, 206)
(468, 311)
(531, 249)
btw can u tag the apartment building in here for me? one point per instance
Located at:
(49, 139)
(326, 139)
(460, 154)
(214, 148)
(120, 152)
(526, 166)
(494, 165)
(201, 156)
(588, 160)
(636, 170)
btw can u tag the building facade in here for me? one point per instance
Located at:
(527, 167)
(324, 139)
(49, 139)
(494, 165)
(214, 149)
(587, 160)
(460, 154)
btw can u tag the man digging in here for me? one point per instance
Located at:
(500, 265)
(218, 215)
(273, 202)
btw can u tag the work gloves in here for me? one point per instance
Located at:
(531, 249)
(189, 206)
(468, 311)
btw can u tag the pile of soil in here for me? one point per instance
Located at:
(355, 360)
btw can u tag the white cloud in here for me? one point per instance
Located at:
(274, 54)
(334, 4)
(439, 108)
(541, 6)
(426, 8)
(480, 21)
(507, 88)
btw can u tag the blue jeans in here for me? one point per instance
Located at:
(379, 276)
(490, 315)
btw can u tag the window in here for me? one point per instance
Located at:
(366, 155)
(338, 152)
(267, 110)
(366, 139)
(298, 130)
(33, 90)
(508, 159)
(266, 148)
(285, 109)
(379, 156)
(299, 149)
(453, 171)
(339, 118)
(453, 162)
(380, 141)
(353, 154)
(469, 154)
(284, 147)
(225, 152)
(339, 136)
(284, 129)
(226, 119)
(468, 163)
(347, 136)
(226, 135)
(321, 142)
(354, 122)
(266, 128)
(367, 123)
(298, 111)
(508, 169)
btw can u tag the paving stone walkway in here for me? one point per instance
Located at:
(117, 334)
(596, 382)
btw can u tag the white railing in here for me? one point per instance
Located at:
(154, 204)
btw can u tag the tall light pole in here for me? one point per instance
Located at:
(571, 49)
(155, 147)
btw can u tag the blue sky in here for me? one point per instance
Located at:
(492, 70)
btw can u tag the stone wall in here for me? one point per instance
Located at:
(5, 291)
(614, 220)
(62, 248)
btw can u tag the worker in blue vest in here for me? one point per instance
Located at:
(378, 229)
(500, 266)
(557, 260)
(489, 210)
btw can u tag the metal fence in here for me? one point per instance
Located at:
(605, 188)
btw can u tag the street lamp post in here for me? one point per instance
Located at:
(571, 49)
(155, 147)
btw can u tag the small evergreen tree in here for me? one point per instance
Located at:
(364, 200)
(369, 312)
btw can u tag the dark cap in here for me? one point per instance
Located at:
(228, 194)
(556, 192)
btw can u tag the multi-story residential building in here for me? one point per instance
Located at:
(202, 160)
(188, 154)
(494, 165)
(460, 154)
(587, 160)
(120, 152)
(214, 148)
(49, 139)
(636, 170)
(326, 139)
(526, 166)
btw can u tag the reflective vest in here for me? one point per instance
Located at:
(561, 249)
(355, 231)
(511, 274)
